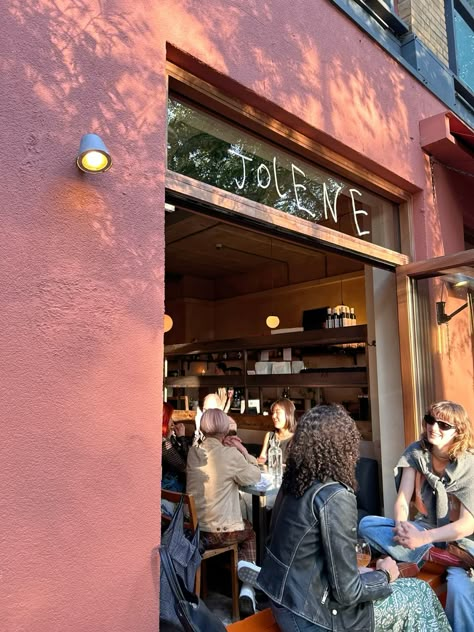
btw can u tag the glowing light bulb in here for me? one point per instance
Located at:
(272, 322)
(94, 161)
(167, 323)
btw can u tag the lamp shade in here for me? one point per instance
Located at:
(272, 322)
(93, 155)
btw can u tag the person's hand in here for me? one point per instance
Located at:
(179, 430)
(406, 534)
(388, 564)
(262, 460)
(197, 418)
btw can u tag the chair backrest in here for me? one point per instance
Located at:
(190, 514)
(368, 494)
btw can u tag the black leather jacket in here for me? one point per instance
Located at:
(310, 564)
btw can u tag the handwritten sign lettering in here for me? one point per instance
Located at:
(203, 147)
(265, 178)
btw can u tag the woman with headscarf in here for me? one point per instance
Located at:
(214, 472)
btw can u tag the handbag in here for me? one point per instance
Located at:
(193, 614)
(183, 549)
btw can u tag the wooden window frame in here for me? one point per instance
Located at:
(180, 188)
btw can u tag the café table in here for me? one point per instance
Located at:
(267, 487)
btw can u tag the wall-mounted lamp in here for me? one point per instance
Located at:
(441, 316)
(93, 155)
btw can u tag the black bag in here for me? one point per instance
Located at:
(193, 613)
(184, 552)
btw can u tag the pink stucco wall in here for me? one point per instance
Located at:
(82, 256)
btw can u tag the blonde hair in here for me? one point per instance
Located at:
(212, 400)
(456, 415)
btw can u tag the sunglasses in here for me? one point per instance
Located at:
(442, 425)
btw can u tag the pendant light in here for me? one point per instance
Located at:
(272, 321)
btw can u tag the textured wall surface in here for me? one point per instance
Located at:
(82, 262)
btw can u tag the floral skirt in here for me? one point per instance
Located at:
(412, 607)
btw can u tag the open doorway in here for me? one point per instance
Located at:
(224, 278)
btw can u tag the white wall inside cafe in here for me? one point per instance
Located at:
(385, 378)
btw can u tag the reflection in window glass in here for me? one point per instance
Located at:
(464, 37)
(209, 150)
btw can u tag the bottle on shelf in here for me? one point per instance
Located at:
(329, 320)
(336, 317)
(345, 316)
(353, 317)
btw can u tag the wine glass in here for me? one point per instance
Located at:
(363, 552)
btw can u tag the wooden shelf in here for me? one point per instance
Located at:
(317, 337)
(209, 381)
(255, 422)
(347, 377)
(319, 342)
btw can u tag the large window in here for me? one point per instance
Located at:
(385, 13)
(211, 150)
(460, 23)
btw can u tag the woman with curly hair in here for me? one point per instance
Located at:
(310, 570)
(437, 472)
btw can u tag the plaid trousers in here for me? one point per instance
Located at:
(245, 539)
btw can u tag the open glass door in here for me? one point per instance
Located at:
(436, 321)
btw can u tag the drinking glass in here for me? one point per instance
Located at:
(363, 553)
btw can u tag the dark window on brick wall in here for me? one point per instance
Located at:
(460, 26)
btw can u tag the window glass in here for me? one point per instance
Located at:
(210, 150)
(464, 36)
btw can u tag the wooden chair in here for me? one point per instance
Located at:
(191, 522)
(262, 621)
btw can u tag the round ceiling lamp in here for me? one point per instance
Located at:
(167, 323)
(272, 322)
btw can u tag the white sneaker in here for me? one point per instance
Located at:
(247, 602)
(248, 572)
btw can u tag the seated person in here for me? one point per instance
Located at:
(212, 400)
(174, 450)
(310, 570)
(283, 417)
(438, 470)
(224, 393)
(214, 473)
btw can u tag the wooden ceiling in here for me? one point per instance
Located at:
(206, 247)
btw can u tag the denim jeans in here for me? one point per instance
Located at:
(378, 532)
(460, 600)
(288, 621)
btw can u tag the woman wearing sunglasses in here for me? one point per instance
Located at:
(436, 475)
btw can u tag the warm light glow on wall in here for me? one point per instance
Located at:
(167, 323)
